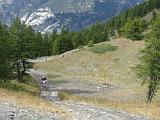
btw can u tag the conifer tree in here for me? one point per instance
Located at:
(5, 52)
(62, 44)
(149, 69)
(21, 37)
(47, 45)
(132, 29)
(38, 45)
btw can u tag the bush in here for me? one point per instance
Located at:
(30, 81)
(11, 86)
(31, 86)
(132, 29)
(90, 44)
(80, 47)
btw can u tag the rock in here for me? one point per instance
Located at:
(70, 110)
(90, 116)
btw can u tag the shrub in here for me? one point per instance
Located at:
(63, 95)
(11, 86)
(31, 86)
(90, 44)
(80, 47)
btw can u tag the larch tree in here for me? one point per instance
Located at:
(149, 69)
(22, 39)
(5, 52)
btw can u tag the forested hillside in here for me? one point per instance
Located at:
(45, 15)
(129, 24)
(20, 42)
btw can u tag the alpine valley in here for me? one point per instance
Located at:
(46, 15)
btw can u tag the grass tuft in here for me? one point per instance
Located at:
(13, 86)
(64, 96)
(31, 86)
(103, 48)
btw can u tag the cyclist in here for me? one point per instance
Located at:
(44, 81)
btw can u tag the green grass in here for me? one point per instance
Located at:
(55, 82)
(103, 48)
(30, 86)
(31, 82)
(64, 96)
(10, 85)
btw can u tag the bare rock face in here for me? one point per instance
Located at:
(45, 15)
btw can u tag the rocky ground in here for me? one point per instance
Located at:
(79, 111)
(83, 111)
(76, 85)
(12, 111)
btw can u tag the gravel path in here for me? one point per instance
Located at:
(10, 111)
(83, 111)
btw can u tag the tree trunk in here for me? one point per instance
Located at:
(151, 93)
(18, 70)
(24, 66)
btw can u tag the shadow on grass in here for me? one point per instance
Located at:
(58, 81)
(73, 91)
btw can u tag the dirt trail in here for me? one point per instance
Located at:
(83, 111)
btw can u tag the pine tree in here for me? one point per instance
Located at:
(47, 45)
(149, 69)
(21, 36)
(38, 45)
(62, 44)
(133, 29)
(5, 52)
(77, 40)
(15, 31)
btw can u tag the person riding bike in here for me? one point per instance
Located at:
(44, 81)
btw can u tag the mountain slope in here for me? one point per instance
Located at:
(74, 14)
(106, 79)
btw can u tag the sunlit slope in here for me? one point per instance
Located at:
(110, 66)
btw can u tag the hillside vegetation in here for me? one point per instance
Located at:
(100, 67)
(132, 25)
(112, 67)
(23, 43)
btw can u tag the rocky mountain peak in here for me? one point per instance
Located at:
(45, 15)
